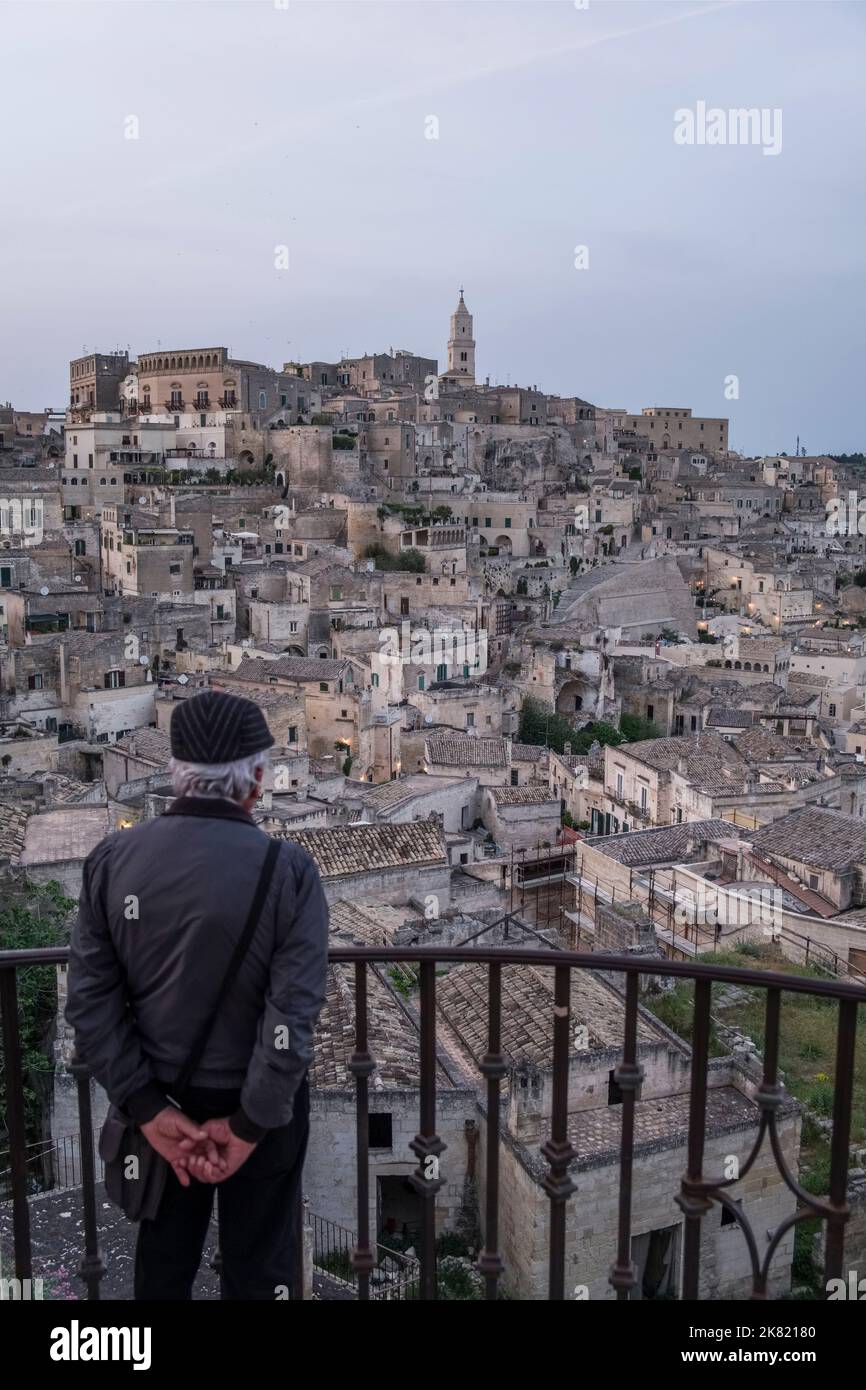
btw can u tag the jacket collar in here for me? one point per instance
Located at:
(216, 808)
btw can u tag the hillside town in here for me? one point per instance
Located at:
(540, 672)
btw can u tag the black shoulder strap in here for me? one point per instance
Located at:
(240, 951)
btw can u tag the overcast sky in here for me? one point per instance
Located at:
(264, 124)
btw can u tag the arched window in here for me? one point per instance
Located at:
(263, 400)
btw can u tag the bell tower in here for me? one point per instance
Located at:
(461, 345)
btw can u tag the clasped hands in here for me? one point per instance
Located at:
(209, 1152)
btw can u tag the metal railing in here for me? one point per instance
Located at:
(699, 1191)
(394, 1276)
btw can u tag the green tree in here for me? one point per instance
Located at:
(40, 917)
(634, 729)
(539, 724)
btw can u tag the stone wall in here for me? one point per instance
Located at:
(592, 1217)
(330, 1175)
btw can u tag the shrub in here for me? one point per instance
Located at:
(819, 1097)
(410, 560)
(459, 1280)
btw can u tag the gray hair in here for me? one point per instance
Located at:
(234, 781)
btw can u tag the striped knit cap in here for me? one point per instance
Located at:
(215, 727)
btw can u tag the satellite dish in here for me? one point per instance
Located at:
(142, 501)
(428, 719)
(182, 680)
(44, 590)
(78, 578)
(142, 661)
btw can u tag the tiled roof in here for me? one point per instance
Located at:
(388, 795)
(393, 1040)
(527, 1011)
(528, 752)
(292, 668)
(815, 836)
(57, 837)
(728, 717)
(697, 750)
(356, 849)
(666, 843)
(152, 745)
(761, 745)
(522, 796)
(375, 924)
(458, 750)
(657, 1120)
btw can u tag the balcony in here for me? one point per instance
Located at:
(174, 405)
(357, 1263)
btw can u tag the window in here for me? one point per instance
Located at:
(323, 686)
(508, 523)
(643, 798)
(379, 1132)
(344, 714)
(35, 682)
(619, 786)
(174, 569)
(832, 710)
(375, 680)
(114, 680)
(263, 400)
(470, 720)
(649, 711)
(488, 522)
(515, 777)
(421, 682)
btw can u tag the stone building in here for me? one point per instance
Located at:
(594, 1129)
(394, 864)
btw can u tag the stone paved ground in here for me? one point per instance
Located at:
(57, 1242)
(57, 1239)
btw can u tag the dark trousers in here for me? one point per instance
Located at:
(259, 1211)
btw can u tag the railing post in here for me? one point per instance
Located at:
(362, 1065)
(427, 1145)
(493, 1067)
(15, 1123)
(628, 1075)
(91, 1268)
(846, 1038)
(691, 1200)
(558, 1150)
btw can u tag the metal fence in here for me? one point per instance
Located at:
(699, 1190)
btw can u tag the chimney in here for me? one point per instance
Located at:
(566, 749)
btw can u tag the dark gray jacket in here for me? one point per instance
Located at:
(161, 909)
